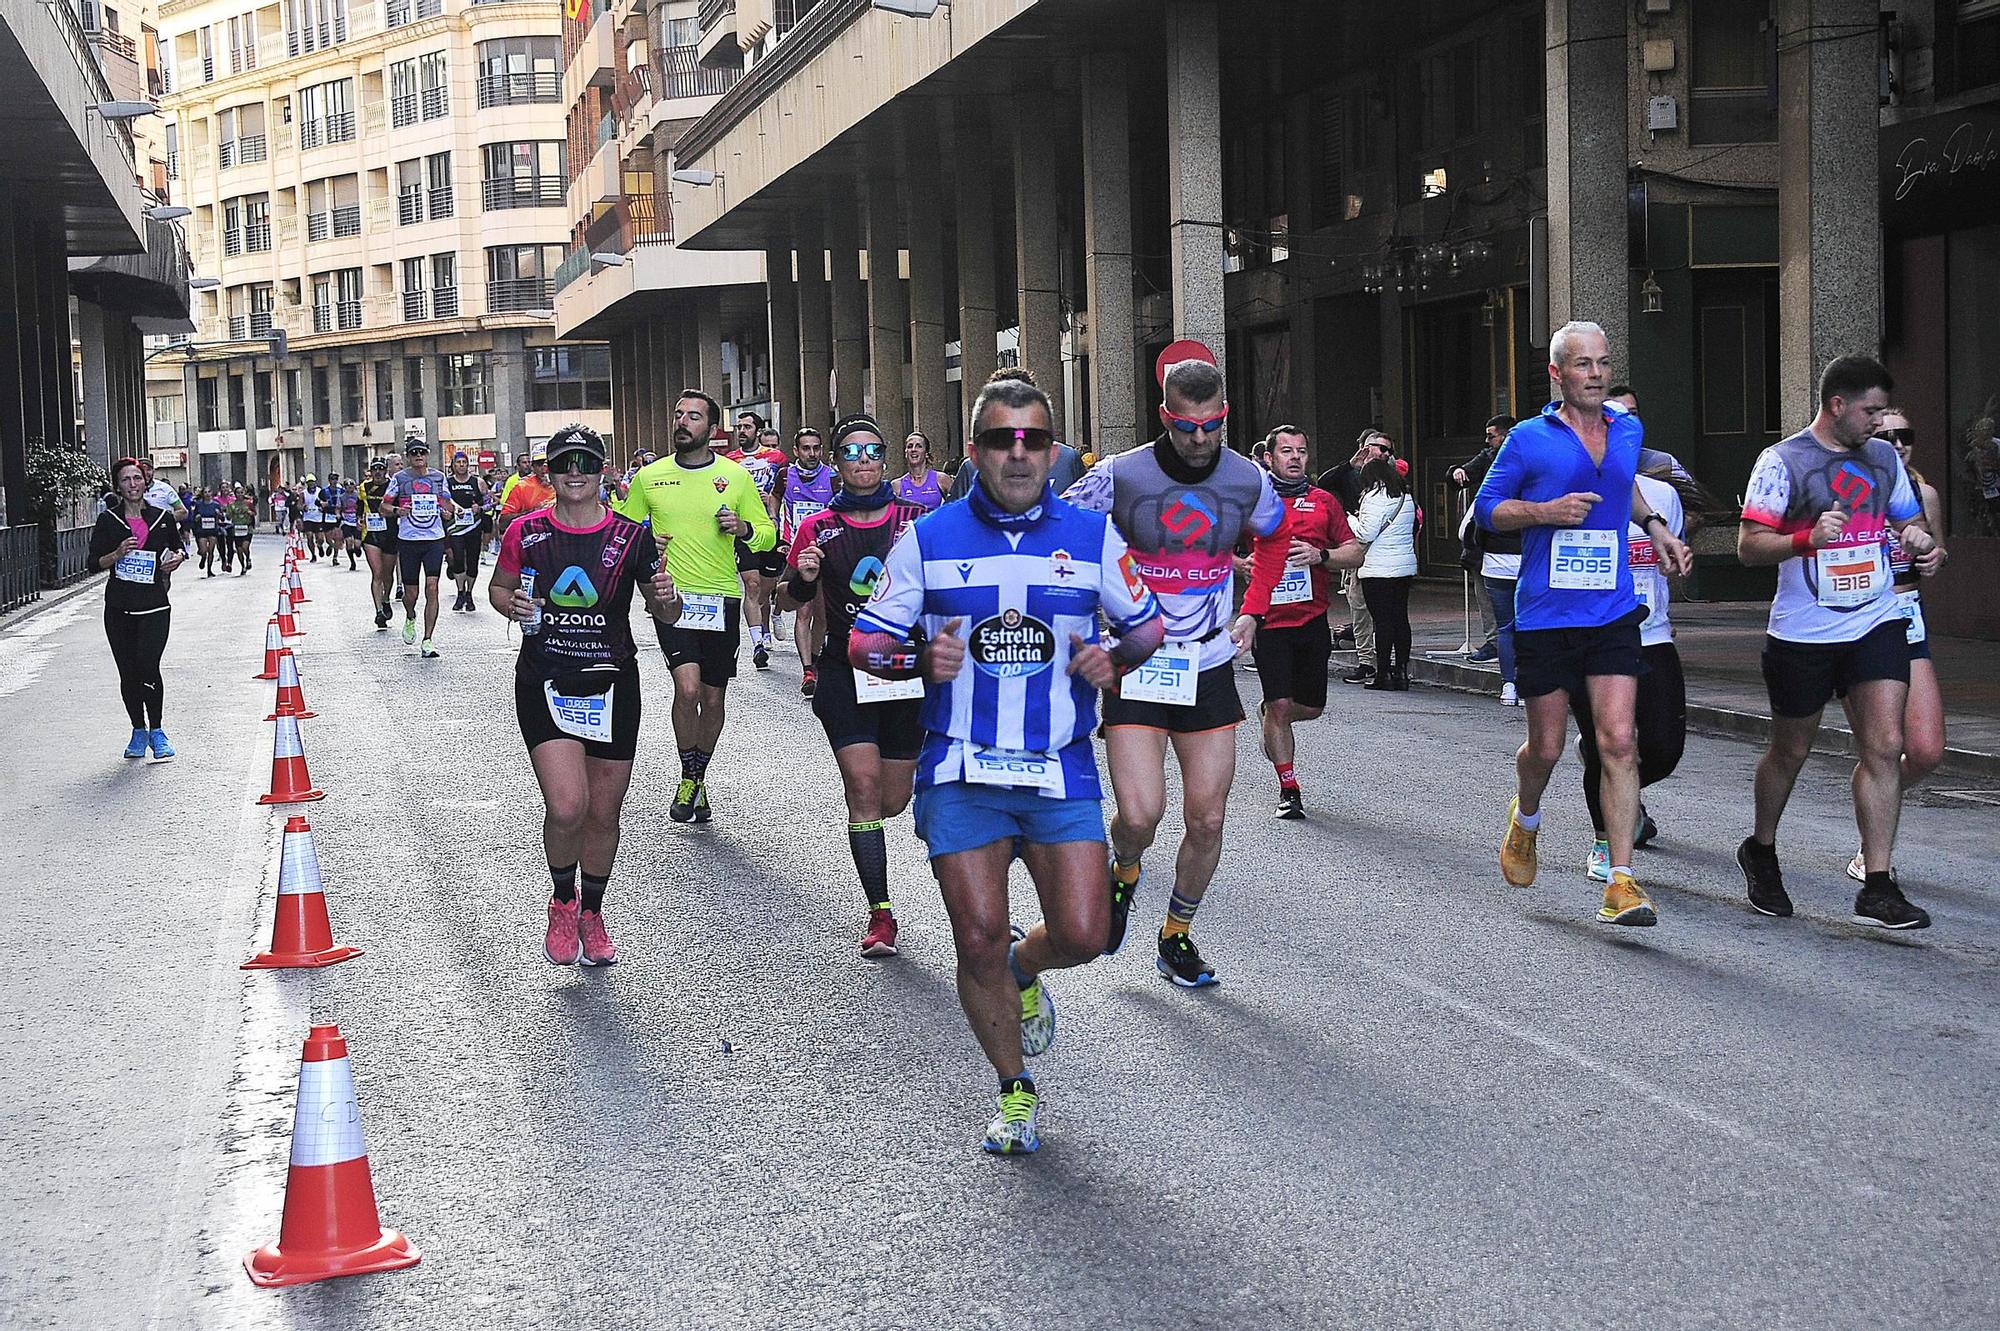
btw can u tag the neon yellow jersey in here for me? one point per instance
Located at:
(681, 502)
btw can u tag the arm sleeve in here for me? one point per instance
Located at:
(1767, 499)
(898, 601)
(1269, 515)
(1905, 505)
(1095, 490)
(1267, 564)
(748, 501)
(1128, 602)
(1502, 482)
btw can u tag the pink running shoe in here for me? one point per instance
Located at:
(598, 949)
(880, 940)
(562, 946)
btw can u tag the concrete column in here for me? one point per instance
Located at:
(1829, 213)
(707, 329)
(1588, 257)
(1194, 172)
(850, 309)
(972, 206)
(888, 305)
(58, 391)
(432, 386)
(509, 386)
(13, 382)
(815, 329)
(687, 337)
(930, 318)
(783, 330)
(1038, 244)
(96, 382)
(640, 360)
(1107, 245)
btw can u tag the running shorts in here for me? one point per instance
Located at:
(1291, 663)
(350, 531)
(1215, 706)
(770, 563)
(892, 727)
(1549, 659)
(957, 817)
(714, 652)
(538, 725)
(381, 540)
(462, 553)
(426, 555)
(1802, 677)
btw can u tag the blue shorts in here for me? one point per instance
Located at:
(959, 816)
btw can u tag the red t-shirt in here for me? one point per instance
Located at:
(1316, 518)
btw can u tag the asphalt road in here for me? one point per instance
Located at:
(1419, 1097)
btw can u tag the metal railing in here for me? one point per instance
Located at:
(173, 164)
(402, 110)
(311, 134)
(257, 238)
(441, 202)
(232, 243)
(87, 64)
(340, 127)
(396, 13)
(318, 226)
(437, 103)
(347, 220)
(517, 295)
(416, 305)
(72, 557)
(322, 318)
(410, 207)
(347, 313)
(521, 192)
(429, 8)
(225, 154)
(239, 327)
(260, 323)
(20, 566)
(444, 302)
(520, 89)
(682, 75)
(250, 148)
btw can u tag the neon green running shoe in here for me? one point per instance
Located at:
(1013, 1132)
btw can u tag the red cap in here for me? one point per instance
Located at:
(1185, 349)
(1402, 467)
(324, 1044)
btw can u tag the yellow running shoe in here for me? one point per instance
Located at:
(1625, 902)
(1517, 849)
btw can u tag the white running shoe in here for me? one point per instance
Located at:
(1598, 867)
(1509, 697)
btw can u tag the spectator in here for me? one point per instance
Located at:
(1388, 527)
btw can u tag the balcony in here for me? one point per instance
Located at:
(232, 244)
(519, 295)
(311, 134)
(444, 302)
(416, 305)
(257, 238)
(340, 127)
(251, 149)
(173, 164)
(225, 154)
(403, 110)
(410, 207)
(437, 103)
(260, 323)
(397, 13)
(521, 192)
(441, 202)
(242, 58)
(717, 44)
(347, 313)
(322, 318)
(683, 75)
(526, 88)
(239, 327)
(429, 8)
(318, 226)
(347, 220)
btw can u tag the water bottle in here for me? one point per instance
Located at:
(533, 623)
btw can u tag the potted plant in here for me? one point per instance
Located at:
(61, 477)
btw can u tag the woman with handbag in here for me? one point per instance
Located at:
(1388, 528)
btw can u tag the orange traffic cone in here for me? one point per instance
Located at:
(291, 700)
(331, 1227)
(297, 588)
(301, 936)
(290, 782)
(287, 624)
(274, 642)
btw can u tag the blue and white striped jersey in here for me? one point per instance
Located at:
(1021, 586)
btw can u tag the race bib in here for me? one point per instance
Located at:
(1851, 575)
(423, 509)
(803, 509)
(240, 529)
(1643, 589)
(702, 613)
(1167, 676)
(873, 688)
(585, 716)
(376, 522)
(1012, 767)
(1911, 604)
(1584, 559)
(139, 566)
(1296, 586)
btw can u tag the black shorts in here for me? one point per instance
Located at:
(715, 653)
(350, 531)
(770, 563)
(892, 727)
(1549, 659)
(1802, 677)
(1291, 663)
(538, 727)
(425, 555)
(1215, 705)
(381, 540)
(462, 553)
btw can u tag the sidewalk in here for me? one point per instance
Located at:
(1720, 644)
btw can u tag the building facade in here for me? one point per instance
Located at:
(378, 190)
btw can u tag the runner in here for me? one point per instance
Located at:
(1565, 480)
(760, 570)
(348, 507)
(804, 488)
(576, 682)
(462, 538)
(1006, 764)
(242, 526)
(1923, 713)
(140, 543)
(311, 518)
(207, 518)
(420, 501)
(697, 505)
(378, 539)
(1820, 505)
(1288, 606)
(527, 493)
(918, 484)
(1182, 504)
(280, 511)
(873, 725)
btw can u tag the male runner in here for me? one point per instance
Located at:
(698, 504)
(420, 500)
(1181, 504)
(1003, 593)
(378, 540)
(872, 724)
(525, 494)
(1288, 605)
(804, 488)
(348, 506)
(760, 571)
(311, 517)
(1820, 505)
(1564, 480)
(242, 524)
(206, 514)
(462, 538)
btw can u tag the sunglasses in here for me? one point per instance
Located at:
(1902, 436)
(860, 451)
(579, 462)
(1188, 425)
(1000, 437)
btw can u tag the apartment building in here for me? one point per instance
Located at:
(378, 190)
(673, 318)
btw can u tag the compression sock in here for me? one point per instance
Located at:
(1288, 777)
(1880, 880)
(871, 861)
(593, 890)
(565, 882)
(757, 635)
(1180, 914)
(695, 763)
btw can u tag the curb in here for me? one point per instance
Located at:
(49, 601)
(1707, 719)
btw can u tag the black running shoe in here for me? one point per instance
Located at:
(760, 656)
(1181, 963)
(1121, 905)
(682, 809)
(1291, 803)
(1648, 829)
(1762, 876)
(1361, 674)
(1888, 908)
(702, 813)
(381, 619)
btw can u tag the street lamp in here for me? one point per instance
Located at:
(911, 8)
(169, 212)
(690, 176)
(124, 110)
(603, 259)
(204, 283)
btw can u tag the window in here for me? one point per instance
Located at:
(444, 285)
(437, 184)
(326, 113)
(416, 299)
(350, 391)
(517, 277)
(524, 175)
(403, 93)
(413, 384)
(385, 392)
(236, 405)
(1733, 84)
(295, 403)
(314, 25)
(260, 388)
(462, 385)
(433, 85)
(571, 379)
(257, 224)
(517, 70)
(322, 395)
(205, 405)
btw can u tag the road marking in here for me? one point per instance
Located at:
(25, 652)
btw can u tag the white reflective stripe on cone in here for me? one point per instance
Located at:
(288, 671)
(273, 638)
(326, 1130)
(298, 866)
(287, 744)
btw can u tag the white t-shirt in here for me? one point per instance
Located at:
(1648, 582)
